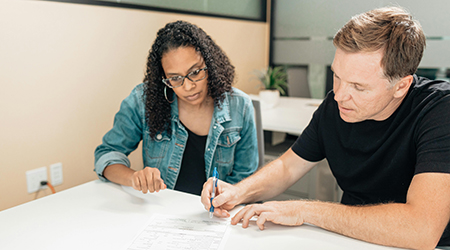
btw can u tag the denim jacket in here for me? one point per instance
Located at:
(231, 145)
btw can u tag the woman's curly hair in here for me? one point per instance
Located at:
(175, 35)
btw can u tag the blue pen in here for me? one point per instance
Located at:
(215, 179)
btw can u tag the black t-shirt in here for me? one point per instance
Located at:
(375, 161)
(192, 174)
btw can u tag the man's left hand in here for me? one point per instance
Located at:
(279, 212)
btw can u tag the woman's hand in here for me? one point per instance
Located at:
(147, 180)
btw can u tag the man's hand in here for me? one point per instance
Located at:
(147, 180)
(226, 197)
(279, 212)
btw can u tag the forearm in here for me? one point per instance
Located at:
(391, 224)
(260, 185)
(119, 174)
(274, 178)
(416, 224)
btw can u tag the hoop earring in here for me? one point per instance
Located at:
(165, 95)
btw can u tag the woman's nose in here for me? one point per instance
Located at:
(188, 84)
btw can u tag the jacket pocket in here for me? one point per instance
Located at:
(226, 145)
(156, 148)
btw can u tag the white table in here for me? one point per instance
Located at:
(99, 215)
(291, 114)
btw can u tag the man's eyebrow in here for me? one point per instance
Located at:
(355, 83)
(332, 70)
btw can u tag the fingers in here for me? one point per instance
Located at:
(221, 213)
(144, 183)
(151, 179)
(148, 180)
(221, 199)
(158, 183)
(248, 212)
(278, 212)
(135, 182)
(221, 202)
(262, 218)
(224, 195)
(244, 215)
(206, 194)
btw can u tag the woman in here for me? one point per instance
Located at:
(188, 116)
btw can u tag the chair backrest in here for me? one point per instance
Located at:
(297, 79)
(259, 131)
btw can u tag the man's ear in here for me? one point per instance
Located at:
(402, 87)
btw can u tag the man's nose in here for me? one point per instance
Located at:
(341, 92)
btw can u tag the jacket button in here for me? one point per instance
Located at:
(159, 137)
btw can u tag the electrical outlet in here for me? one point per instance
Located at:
(34, 178)
(56, 174)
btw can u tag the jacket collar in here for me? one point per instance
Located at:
(222, 114)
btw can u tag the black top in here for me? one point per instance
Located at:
(375, 161)
(192, 174)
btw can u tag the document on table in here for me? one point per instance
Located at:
(176, 233)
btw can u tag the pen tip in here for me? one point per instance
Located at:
(210, 215)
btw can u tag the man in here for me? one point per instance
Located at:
(386, 135)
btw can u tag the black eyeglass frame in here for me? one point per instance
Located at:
(167, 80)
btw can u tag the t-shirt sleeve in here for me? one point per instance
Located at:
(307, 145)
(433, 139)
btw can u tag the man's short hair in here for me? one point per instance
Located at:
(391, 29)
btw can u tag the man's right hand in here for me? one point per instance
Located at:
(147, 180)
(226, 197)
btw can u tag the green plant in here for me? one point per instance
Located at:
(274, 78)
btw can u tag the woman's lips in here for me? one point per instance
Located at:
(193, 97)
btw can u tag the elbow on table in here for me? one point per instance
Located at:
(427, 239)
(426, 245)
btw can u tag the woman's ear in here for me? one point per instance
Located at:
(402, 87)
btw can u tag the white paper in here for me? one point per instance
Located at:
(177, 233)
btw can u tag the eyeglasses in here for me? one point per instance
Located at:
(177, 81)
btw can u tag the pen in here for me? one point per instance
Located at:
(215, 179)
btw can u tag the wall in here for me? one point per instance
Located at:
(302, 28)
(303, 32)
(65, 68)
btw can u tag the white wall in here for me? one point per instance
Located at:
(65, 68)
